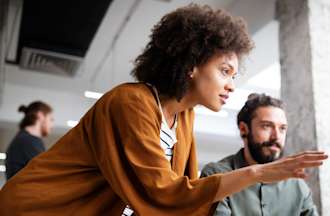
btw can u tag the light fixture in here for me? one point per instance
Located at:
(72, 123)
(2, 168)
(2, 156)
(93, 95)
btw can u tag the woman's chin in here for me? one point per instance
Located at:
(214, 107)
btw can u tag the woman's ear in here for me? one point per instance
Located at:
(193, 72)
(243, 129)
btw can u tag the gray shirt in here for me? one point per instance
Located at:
(286, 198)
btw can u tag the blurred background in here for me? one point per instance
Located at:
(68, 53)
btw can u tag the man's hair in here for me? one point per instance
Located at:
(30, 112)
(247, 113)
(185, 38)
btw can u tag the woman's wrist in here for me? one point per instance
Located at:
(255, 173)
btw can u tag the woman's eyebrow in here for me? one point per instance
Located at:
(227, 64)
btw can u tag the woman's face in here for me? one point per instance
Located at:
(213, 81)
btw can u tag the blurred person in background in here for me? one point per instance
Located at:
(134, 149)
(36, 124)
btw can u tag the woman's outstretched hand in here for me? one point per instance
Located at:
(289, 167)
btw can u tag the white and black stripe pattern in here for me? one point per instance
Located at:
(127, 211)
(167, 139)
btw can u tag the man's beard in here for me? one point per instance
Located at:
(44, 131)
(256, 150)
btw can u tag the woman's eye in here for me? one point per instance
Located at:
(228, 73)
(225, 72)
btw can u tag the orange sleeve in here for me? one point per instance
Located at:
(128, 150)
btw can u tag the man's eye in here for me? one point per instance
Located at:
(283, 128)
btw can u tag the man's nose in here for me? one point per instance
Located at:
(275, 134)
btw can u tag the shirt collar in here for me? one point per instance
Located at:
(239, 160)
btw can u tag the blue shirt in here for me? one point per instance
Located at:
(21, 150)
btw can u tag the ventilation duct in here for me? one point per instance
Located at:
(50, 62)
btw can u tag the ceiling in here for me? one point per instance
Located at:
(60, 26)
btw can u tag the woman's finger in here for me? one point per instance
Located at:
(307, 153)
(312, 157)
(309, 164)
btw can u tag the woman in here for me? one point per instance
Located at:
(134, 149)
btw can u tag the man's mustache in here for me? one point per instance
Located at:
(271, 143)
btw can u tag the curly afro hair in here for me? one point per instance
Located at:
(185, 38)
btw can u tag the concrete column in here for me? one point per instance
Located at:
(305, 78)
(3, 34)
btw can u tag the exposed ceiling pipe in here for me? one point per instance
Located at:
(14, 20)
(3, 43)
(110, 49)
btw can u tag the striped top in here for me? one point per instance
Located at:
(167, 141)
(168, 137)
(167, 134)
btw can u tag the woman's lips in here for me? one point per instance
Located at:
(223, 98)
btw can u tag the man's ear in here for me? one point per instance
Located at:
(40, 115)
(243, 129)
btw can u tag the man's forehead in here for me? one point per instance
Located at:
(270, 114)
